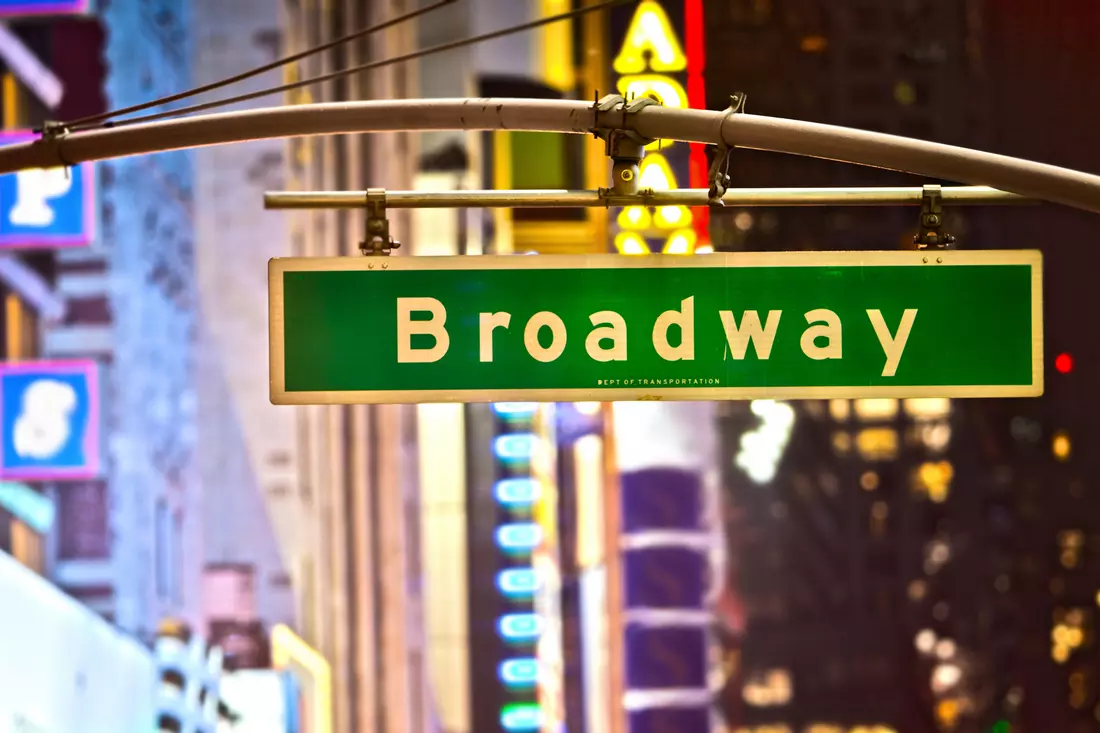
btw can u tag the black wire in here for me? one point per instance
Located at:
(91, 121)
(365, 67)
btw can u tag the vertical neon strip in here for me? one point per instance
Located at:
(695, 48)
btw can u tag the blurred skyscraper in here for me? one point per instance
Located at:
(920, 570)
(259, 525)
(357, 464)
(125, 538)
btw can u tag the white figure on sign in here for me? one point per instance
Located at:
(44, 425)
(33, 191)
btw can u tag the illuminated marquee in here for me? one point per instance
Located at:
(652, 63)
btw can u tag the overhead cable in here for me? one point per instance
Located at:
(450, 46)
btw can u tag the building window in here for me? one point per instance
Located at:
(83, 526)
(165, 549)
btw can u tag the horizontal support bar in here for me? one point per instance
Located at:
(737, 197)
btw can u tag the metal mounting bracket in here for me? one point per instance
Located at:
(930, 234)
(378, 242)
(626, 148)
(719, 174)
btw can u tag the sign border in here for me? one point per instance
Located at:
(905, 258)
(29, 241)
(93, 464)
(75, 8)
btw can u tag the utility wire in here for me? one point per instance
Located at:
(368, 66)
(93, 121)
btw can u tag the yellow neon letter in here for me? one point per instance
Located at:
(650, 30)
(665, 89)
(635, 217)
(630, 243)
(655, 173)
(680, 243)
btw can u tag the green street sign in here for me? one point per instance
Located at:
(607, 327)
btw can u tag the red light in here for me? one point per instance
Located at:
(1064, 363)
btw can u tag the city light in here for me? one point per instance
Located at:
(515, 410)
(762, 448)
(519, 672)
(520, 627)
(519, 537)
(516, 492)
(1061, 446)
(518, 583)
(521, 717)
(1063, 363)
(515, 447)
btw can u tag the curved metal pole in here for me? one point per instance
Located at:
(930, 160)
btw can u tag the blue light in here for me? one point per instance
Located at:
(521, 717)
(520, 627)
(519, 672)
(517, 491)
(515, 410)
(514, 447)
(518, 583)
(519, 537)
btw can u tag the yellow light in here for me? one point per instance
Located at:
(840, 409)
(1061, 446)
(634, 217)
(935, 480)
(947, 711)
(876, 409)
(928, 408)
(650, 30)
(1060, 654)
(630, 243)
(655, 172)
(877, 444)
(672, 217)
(814, 44)
(587, 408)
(680, 243)
(704, 249)
(666, 90)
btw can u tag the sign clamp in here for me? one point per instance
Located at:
(930, 234)
(720, 166)
(378, 241)
(625, 147)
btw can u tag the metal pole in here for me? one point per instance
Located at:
(926, 159)
(743, 197)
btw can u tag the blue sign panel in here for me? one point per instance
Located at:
(16, 8)
(46, 208)
(49, 420)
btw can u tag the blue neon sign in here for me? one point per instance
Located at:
(519, 672)
(515, 410)
(520, 627)
(521, 717)
(46, 208)
(514, 447)
(513, 492)
(49, 420)
(518, 583)
(519, 537)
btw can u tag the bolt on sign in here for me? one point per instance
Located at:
(651, 62)
(601, 327)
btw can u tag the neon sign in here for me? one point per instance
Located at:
(649, 63)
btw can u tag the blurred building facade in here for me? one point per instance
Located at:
(938, 570)
(356, 465)
(258, 526)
